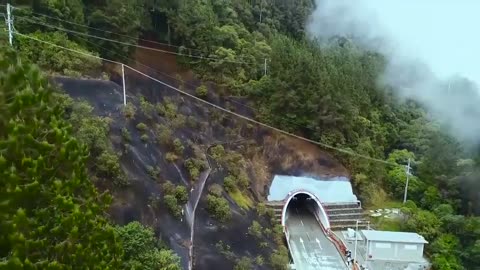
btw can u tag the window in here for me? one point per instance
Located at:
(383, 245)
(410, 247)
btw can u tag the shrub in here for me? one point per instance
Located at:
(217, 152)
(144, 138)
(56, 59)
(255, 229)
(279, 259)
(259, 260)
(229, 183)
(192, 122)
(263, 244)
(164, 134)
(261, 209)
(225, 250)
(142, 127)
(126, 135)
(244, 263)
(242, 181)
(168, 188)
(171, 157)
(215, 190)
(129, 111)
(108, 165)
(219, 208)
(178, 147)
(172, 204)
(154, 172)
(181, 194)
(178, 121)
(201, 91)
(194, 167)
(146, 107)
(168, 109)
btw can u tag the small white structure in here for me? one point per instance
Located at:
(393, 246)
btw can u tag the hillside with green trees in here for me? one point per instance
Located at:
(325, 90)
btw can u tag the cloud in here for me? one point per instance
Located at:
(432, 47)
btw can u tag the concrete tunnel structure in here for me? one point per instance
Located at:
(326, 192)
(309, 209)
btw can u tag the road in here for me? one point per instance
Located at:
(309, 246)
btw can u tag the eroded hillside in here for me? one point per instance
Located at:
(166, 141)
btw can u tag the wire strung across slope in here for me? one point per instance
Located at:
(131, 44)
(106, 31)
(345, 151)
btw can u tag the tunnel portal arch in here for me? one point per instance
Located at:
(319, 212)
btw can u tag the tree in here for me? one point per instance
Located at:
(126, 17)
(142, 250)
(58, 60)
(218, 207)
(47, 203)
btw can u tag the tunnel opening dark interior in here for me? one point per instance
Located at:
(301, 205)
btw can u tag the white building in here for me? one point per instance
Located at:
(393, 246)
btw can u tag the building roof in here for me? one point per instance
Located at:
(399, 237)
(327, 190)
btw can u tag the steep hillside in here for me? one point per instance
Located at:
(181, 142)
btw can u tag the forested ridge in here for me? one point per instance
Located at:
(325, 90)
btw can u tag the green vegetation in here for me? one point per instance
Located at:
(154, 172)
(171, 157)
(201, 91)
(194, 166)
(174, 197)
(142, 250)
(164, 134)
(225, 250)
(129, 111)
(45, 207)
(244, 263)
(126, 135)
(329, 91)
(218, 208)
(215, 190)
(58, 60)
(279, 259)
(255, 229)
(142, 127)
(144, 138)
(178, 147)
(147, 108)
(241, 199)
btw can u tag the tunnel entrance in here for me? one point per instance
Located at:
(304, 203)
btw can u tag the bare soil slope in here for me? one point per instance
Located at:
(197, 127)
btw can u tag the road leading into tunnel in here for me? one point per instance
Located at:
(309, 247)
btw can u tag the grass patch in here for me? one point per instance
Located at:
(387, 224)
(240, 199)
(387, 203)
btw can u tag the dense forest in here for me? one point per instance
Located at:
(325, 90)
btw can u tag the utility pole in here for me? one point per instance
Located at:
(406, 184)
(123, 84)
(9, 24)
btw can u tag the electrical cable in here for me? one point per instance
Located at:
(345, 151)
(130, 44)
(105, 31)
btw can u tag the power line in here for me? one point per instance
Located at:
(106, 31)
(68, 49)
(129, 44)
(345, 151)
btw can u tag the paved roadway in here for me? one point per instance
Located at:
(309, 247)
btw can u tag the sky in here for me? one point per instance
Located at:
(438, 39)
